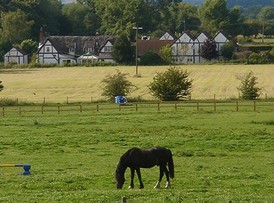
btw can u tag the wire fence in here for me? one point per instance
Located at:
(146, 106)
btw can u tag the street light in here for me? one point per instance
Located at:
(136, 48)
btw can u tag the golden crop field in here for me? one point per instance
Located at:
(84, 83)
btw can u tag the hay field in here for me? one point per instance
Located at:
(84, 83)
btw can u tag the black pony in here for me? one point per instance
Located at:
(140, 158)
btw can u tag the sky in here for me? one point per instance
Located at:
(68, 1)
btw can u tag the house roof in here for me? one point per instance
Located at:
(17, 49)
(80, 44)
(153, 45)
(168, 36)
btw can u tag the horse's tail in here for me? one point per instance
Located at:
(170, 165)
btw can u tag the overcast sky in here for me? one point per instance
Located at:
(68, 1)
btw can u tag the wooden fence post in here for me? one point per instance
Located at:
(3, 111)
(237, 106)
(198, 108)
(254, 105)
(42, 109)
(81, 109)
(214, 105)
(136, 107)
(44, 102)
(58, 109)
(97, 107)
(158, 106)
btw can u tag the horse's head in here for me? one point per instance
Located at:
(120, 179)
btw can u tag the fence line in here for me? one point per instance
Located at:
(72, 100)
(175, 106)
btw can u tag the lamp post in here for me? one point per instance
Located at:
(136, 48)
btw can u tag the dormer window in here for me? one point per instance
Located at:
(108, 49)
(90, 50)
(71, 51)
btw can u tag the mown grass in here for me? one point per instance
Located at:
(219, 156)
(57, 85)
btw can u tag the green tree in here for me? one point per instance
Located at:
(266, 13)
(116, 85)
(187, 18)
(171, 85)
(248, 87)
(1, 86)
(228, 50)
(81, 19)
(151, 59)
(29, 46)
(16, 26)
(166, 54)
(122, 51)
(214, 15)
(5, 45)
(209, 50)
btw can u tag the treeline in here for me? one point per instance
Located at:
(21, 20)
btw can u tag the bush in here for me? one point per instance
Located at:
(248, 87)
(260, 58)
(151, 59)
(1, 86)
(171, 85)
(228, 50)
(116, 85)
(8, 102)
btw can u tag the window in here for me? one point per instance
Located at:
(108, 49)
(71, 50)
(47, 49)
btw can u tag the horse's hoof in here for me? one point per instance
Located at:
(141, 187)
(130, 187)
(157, 186)
(168, 187)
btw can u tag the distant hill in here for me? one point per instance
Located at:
(242, 3)
(249, 3)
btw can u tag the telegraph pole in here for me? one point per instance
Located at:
(136, 48)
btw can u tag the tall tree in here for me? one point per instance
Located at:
(16, 26)
(122, 50)
(214, 15)
(82, 20)
(187, 18)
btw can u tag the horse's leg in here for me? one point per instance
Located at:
(140, 178)
(168, 185)
(131, 186)
(160, 177)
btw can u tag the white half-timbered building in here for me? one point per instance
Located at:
(15, 56)
(186, 49)
(183, 49)
(69, 49)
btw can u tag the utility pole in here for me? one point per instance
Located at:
(136, 48)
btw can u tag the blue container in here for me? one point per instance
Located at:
(120, 100)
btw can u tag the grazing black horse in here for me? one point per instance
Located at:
(140, 158)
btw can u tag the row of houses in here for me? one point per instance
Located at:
(83, 49)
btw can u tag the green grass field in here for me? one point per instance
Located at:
(218, 156)
(84, 83)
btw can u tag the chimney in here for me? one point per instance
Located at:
(41, 35)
